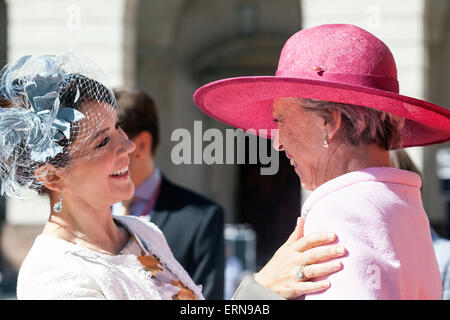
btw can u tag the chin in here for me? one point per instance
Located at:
(124, 194)
(130, 192)
(128, 196)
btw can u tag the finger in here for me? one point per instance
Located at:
(298, 231)
(309, 287)
(323, 253)
(314, 240)
(322, 269)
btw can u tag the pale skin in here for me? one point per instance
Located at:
(301, 135)
(89, 190)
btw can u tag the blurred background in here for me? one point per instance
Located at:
(171, 47)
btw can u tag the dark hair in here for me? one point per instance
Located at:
(89, 90)
(137, 113)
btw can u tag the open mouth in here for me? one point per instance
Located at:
(122, 173)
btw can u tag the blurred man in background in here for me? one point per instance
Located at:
(192, 224)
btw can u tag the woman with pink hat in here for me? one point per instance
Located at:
(335, 101)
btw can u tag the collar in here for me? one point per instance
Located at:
(146, 189)
(379, 174)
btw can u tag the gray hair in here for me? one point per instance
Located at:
(360, 125)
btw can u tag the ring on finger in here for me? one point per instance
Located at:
(301, 273)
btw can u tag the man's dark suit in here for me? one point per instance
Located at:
(193, 227)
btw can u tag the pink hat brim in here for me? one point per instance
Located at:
(246, 103)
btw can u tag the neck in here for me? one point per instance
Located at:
(344, 159)
(84, 225)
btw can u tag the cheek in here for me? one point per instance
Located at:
(290, 137)
(98, 169)
(104, 165)
(285, 135)
(300, 145)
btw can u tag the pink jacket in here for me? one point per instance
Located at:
(378, 216)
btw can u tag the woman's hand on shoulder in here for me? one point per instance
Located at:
(314, 252)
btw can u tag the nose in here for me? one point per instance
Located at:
(276, 140)
(127, 146)
(132, 146)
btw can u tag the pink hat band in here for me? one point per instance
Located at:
(361, 80)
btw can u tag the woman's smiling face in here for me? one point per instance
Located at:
(104, 178)
(300, 136)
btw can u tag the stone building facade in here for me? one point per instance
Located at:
(171, 47)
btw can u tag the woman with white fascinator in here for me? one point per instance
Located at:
(59, 135)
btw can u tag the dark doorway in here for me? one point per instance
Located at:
(270, 204)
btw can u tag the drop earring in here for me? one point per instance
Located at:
(325, 141)
(57, 207)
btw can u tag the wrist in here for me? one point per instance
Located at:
(258, 278)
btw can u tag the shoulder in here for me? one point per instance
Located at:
(154, 241)
(374, 190)
(367, 207)
(346, 202)
(377, 222)
(148, 232)
(141, 227)
(52, 270)
(49, 251)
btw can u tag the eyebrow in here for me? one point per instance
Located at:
(99, 133)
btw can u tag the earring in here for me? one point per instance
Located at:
(57, 207)
(325, 141)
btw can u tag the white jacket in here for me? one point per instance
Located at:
(57, 269)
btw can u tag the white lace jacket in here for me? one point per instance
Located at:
(57, 269)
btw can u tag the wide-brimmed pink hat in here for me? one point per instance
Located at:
(335, 62)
